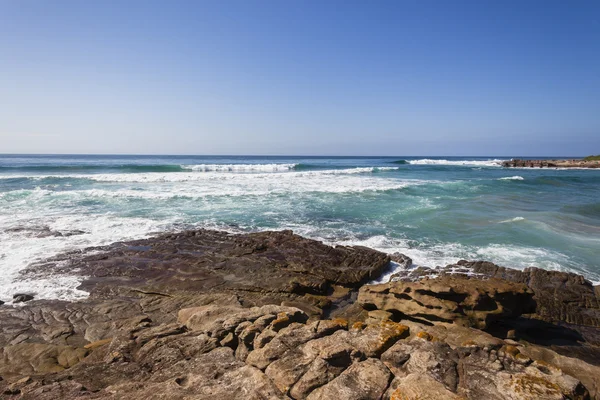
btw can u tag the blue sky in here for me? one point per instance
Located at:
(300, 77)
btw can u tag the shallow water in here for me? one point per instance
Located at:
(435, 210)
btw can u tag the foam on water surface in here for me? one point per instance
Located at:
(479, 163)
(435, 215)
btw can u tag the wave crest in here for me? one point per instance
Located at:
(479, 163)
(239, 167)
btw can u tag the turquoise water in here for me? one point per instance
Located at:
(436, 210)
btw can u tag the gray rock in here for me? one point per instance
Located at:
(22, 297)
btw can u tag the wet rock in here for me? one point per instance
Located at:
(278, 265)
(43, 232)
(22, 297)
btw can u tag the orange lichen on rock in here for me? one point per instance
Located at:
(358, 326)
(425, 336)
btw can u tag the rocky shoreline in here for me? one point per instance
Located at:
(271, 315)
(574, 163)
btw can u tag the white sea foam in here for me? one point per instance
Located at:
(515, 219)
(479, 163)
(512, 178)
(221, 184)
(442, 254)
(240, 167)
(19, 249)
(207, 175)
(70, 210)
(105, 207)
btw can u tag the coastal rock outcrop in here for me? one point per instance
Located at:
(210, 315)
(561, 163)
(461, 301)
(559, 296)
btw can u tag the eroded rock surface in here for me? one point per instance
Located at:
(210, 315)
(469, 302)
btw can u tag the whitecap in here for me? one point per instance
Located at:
(515, 219)
(239, 167)
(481, 163)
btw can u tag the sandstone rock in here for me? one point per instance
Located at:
(419, 387)
(559, 296)
(376, 316)
(487, 373)
(463, 301)
(41, 358)
(365, 380)
(301, 369)
(586, 373)
(375, 339)
(102, 330)
(209, 315)
(214, 375)
(334, 357)
(288, 338)
(422, 358)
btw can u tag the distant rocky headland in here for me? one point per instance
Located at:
(211, 315)
(587, 162)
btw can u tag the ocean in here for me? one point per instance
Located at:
(436, 210)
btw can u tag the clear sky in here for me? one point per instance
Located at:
(300, 77)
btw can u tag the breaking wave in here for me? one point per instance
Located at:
(479, 163)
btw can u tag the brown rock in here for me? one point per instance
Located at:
(460, 300)
(419, 387)
(559, 296)
(40, 358)
(375, 339)
(365, 380)
(288, 338)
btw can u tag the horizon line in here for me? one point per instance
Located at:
(278, 155)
